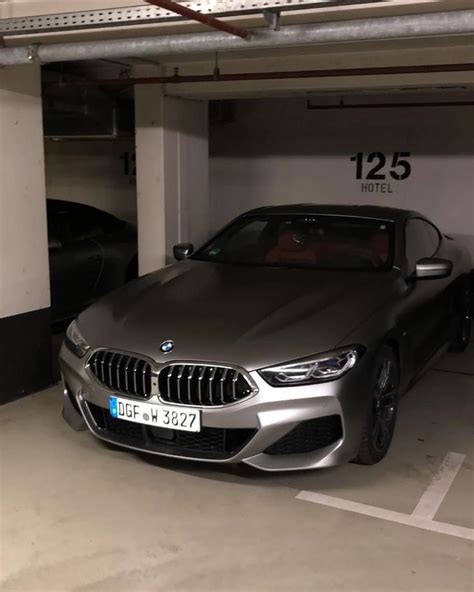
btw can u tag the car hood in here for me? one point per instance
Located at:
(249, 316)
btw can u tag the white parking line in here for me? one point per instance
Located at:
(424, 511)
(436, 491)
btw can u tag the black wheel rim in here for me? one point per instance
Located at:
(384, 405)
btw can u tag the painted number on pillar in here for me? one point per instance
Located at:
(374, 166)
(129, 168)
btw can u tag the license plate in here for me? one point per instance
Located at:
(163, 416)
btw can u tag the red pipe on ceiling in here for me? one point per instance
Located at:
(242, 76)
(200, 17)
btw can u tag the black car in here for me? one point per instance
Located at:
(91, 252)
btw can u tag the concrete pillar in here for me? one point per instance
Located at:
(25, 349)
(172, 174)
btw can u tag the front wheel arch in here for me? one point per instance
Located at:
(395, 340)
(383, 399)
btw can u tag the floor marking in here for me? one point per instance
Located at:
(425, 510)
(436, 491)
(406, 519)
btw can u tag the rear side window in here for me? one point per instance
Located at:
(422, 240)
(72, 222)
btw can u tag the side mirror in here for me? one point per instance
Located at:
(183, 251)
(432, 268)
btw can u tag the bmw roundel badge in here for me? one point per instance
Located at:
(167, 346)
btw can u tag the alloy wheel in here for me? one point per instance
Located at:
(384, 406)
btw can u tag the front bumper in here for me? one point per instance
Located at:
(259, 422)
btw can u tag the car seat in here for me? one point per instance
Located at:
(289, 250)
(380, 245)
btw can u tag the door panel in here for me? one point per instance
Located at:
(426, 313)
(89, 255)
(74, 272)
(425, 318)
(118, 252)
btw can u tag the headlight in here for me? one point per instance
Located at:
(319, 368)
(75, 341)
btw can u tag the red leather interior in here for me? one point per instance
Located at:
(288, 250)
(380, 245)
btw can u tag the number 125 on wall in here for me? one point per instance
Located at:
(374, 165)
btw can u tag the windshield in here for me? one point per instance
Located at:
(308, 241)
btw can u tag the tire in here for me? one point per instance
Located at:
(382, 413)
(462, 331)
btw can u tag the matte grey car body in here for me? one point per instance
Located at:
(245, 318)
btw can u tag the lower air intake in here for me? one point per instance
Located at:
(309, 436)
(210, 443)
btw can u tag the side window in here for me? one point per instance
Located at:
(70, 222)
(89, 222)
(243, 244)
(434, 235)
(82, 223)
(247, 238)
(422, 240)
(59, 223)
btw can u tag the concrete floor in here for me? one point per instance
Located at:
(79, 515)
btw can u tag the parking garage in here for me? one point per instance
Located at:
(129, 129)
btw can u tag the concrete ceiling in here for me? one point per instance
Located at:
(361, 55)
(443, 50)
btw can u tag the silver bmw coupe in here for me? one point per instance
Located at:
(285, 342)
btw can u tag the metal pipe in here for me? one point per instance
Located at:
(206, 19)
(392, 27)
(291, 74)
(391, 105)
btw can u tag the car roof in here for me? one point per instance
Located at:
(55, 205)
(361, 211)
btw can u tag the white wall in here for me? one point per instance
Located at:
(278, 151)
(172, 174)
(92, 172)
(24, 277)
(186, 145)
